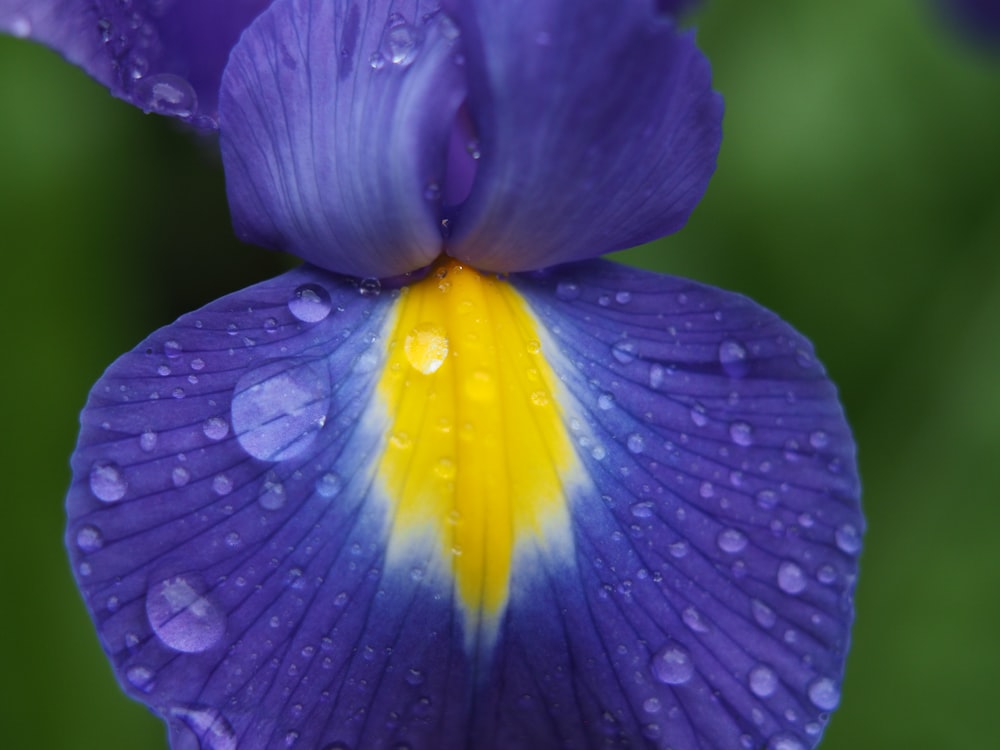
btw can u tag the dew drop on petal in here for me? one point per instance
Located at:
(567, 291)
(672, 665)
(310, 303)
(624, 351)
(791, 579)
(848, 539)
(328, 485)
(763, 614)
(824, 694)
(733, 358)
(272, 493)
(166, 94)
(89, 538)
(279, 408)
(763, 681)
(426, 347)
(182, 617)
(140, 677)
(180, 476)
(785, 742)
(210, 728)
(222, 484)
(107, 482)
(731, 540)
(636, 443)
(215, 428)
(369, 287)
(741, 433)
(147, 441)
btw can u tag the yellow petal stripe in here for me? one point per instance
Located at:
(477, 454)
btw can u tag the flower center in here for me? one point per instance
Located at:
(477, 456)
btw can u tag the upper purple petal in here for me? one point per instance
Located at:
(164, 57)
(599, 125)
(335, 122)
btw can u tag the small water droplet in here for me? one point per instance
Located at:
(763, 614)
(605, 402)
(791, 579)
(763, 681)
(624, 351)
(401, 42)
(678, 549)
(166, 94)
(733, 358)
(824, 694)
(215, 428)
(414, 677)
(819, 439)
(652, 705)
(567, 291)
(272, 493)
(222, 484)
(210, 728)
(180, 476)
(147, 441)
(741, 433)
(848, 539)
(706, 490)
(140, 677)
(698, 415)
(656, 374)
(731, 541)
(693, 619)
(426, 347)
(107, 482)
(643, 509)
(172, 349)
(328, 485)
(635, 443)
(826, 575)
(369, 287)
(89, 539)
(310, 303)
(766, 499)
(623, 297)
(182, 616)
(377, 61)
(197, 364)
(784, 742)
(672, 665)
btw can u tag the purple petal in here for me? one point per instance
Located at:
(717, 554)
(163, 57)
(247, 517)
(335, 122)
(599, 125)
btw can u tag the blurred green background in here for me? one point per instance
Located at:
(858, 194)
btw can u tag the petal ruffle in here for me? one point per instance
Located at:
(600, 125)
(335, 122)
(716, 557)
(162, 57)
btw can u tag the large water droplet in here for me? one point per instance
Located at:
(791, 579)
(310, 303)
(401, 42)
(107, 482)
(280, 407)
(733, 358)
(166, 94)
(426, 347)
(672, 665)
(182, 616)
(763, 681)
(824, 694)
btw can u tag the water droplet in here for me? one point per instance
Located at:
(20, 27)
(656, 373)
(222, 484)
(180, 476)
(848, 539)
(733, 358)
(140, 677)
(678, 549)
(643, 509)
(763, 614)
(826, 574)
(785, 742)
(731, 541)
(310, 303)
(369, 287)
(279, 408)
(89, 539)
(706, 490)
(636, 443)
(824, 694)
(210, 728)
(651, 705)
(540, 398)
(414, 677)
(672, 665)
(272, 493)
(766, 499)
(401, 42)
(819, 439)
(377, 61)
(328, 485)
(445, 469)
(147, 441)
(741, 433)
(426, 347)
(763, 681)
(567, 291)
(605, 402)
(693, 619)
(624, 351)
(182, 616)
(698, 415)
(166, 94)
(107, 482)
(215, 428)
(791, 579)
(623, 297)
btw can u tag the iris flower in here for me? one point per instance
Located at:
(455, 482)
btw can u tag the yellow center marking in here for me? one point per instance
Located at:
(476, 454)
